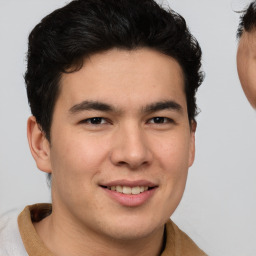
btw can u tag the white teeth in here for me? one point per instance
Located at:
(128, 190)
(135, 190)
(119, 189)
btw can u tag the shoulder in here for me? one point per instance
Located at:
(179, 243)
(10, 239)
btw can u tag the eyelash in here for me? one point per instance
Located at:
(163, 120)
(98, 120)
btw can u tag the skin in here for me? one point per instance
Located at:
(246, 65)
(128, 143)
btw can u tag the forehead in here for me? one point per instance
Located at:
(122, 76)
(248, 40)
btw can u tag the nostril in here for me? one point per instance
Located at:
(120, 163)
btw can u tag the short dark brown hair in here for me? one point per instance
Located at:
(65, 37)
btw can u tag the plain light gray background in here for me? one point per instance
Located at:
(219, 205)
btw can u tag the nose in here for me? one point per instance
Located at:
(130, 148)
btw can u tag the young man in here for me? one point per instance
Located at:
(246, 54)
(111, 86)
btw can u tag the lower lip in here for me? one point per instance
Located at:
(130, 200)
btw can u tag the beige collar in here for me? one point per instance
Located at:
(177, 243)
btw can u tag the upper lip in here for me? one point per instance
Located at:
(129, 183)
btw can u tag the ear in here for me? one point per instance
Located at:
(192, 142)
(39, 145)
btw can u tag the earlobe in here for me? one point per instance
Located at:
(192, 142)
(39, 145)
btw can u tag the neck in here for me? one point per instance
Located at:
(64, 238)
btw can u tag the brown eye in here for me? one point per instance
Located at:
(95, 120)
(160, 120)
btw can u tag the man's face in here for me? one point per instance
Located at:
(120, 126)
(246, 65)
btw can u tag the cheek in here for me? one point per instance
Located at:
(242, 63)
(76, 160)
(173, 157)
(173, 154)
(246, 65)
(77, 150)
(242, 73)
(248, 81)
(252, 79)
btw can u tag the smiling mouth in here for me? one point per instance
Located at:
(130, 193)
(128, 190)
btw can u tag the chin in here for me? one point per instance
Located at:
(135, 228)
(134, 233)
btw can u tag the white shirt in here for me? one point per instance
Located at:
(10, 240)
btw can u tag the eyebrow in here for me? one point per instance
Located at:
(100, 106)
(90, 105)
(162, 105)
